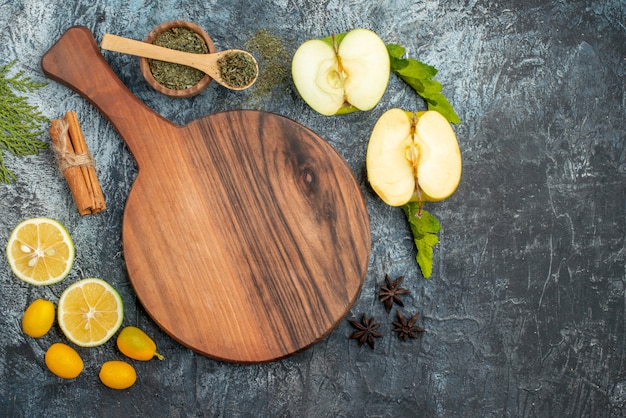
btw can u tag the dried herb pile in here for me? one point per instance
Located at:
(20, 123)
(177, 76)
(274, 62)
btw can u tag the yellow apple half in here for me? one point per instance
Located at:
(342, 74)
(412, 157)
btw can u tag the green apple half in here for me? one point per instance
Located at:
(413, 157)
(343, 73)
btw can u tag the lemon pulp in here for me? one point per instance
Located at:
(90, 311)
(40, 251)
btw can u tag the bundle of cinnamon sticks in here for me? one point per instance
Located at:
(76, 164)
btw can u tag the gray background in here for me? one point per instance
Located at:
(524, 313)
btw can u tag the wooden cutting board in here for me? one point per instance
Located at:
(245, 234)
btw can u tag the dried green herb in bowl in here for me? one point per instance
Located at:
(171, 79)
(177, 76)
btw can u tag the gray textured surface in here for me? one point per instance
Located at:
(525, 309)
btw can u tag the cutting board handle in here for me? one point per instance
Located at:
(75, 61)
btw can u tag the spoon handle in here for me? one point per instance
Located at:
(143, 49)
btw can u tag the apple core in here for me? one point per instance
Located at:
(413, 157)
(342, 74)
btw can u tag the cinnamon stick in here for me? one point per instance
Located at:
(80, 147)
(76, 164)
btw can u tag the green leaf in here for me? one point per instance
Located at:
(334, 39)
(439, 103)
(408, 67)
(425, 228)
(419, 76)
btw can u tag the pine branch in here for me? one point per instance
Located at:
(20, 123)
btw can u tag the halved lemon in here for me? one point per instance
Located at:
(90, 312)
(40, 251)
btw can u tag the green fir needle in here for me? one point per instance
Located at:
(20, 123)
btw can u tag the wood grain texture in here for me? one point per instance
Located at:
(246, 236)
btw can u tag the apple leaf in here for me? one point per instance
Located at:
(419, 76)
(408, 67)
(424, 227)
(334, 39)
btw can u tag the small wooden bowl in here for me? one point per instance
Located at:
(145, 66)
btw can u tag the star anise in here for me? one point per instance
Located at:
(390, 292)
(365, 330)
(406, 328)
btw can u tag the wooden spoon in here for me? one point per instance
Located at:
(207, 63)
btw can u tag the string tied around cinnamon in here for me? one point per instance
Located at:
(67, 159)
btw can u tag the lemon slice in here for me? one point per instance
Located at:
(40, 251)
(90, 311)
